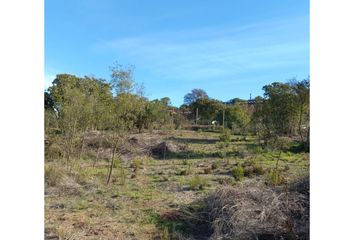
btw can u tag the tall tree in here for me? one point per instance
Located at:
(194, 95)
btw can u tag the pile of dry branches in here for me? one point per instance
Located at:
(258, 212)
(250, 210)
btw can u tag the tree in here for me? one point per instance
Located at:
(283, 110)
(128, 108)
(208, 109)
(122, 78)
(166, 101)
(194, 95)
(237, 117)
(281, 100)
(302, 101)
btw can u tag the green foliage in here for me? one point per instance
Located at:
(237, 117)
(280, 143)
(284, 110)
(238, 173)
(225, 136)
(208, 109)
(275, 178)
(136, 164)
(221, 153)
(185, 171)
(122, 78)
(222, 145)
(194, 95)
(252, 168)
(197, 183)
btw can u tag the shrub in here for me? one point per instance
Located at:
(258, 169)
(53, 152)
(53, 175)
(280, 143)
(221, 154)
(222, 145)
(184, 162)
(81, 176)
(184, 171)
(274, 178)
(238, 173)
(248, 171)
(225, 136)
(252, 168)
(240, 152)
(207, 170)
(197, 183)
(214, 165)
(136, 164)
(122, 175)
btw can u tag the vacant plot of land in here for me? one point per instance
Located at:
(162, 184)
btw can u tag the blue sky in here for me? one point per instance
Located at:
(229, 48)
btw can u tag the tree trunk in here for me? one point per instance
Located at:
(300, 122)
(112, 163)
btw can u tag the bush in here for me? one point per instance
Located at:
(222, 145)
(81, 176)
(197, 183)
(221, 154)
(136, 164)
(53, 152)
(258, 169)
(240, 152)
(225, 136)
(207, 170)
(53, 175)
(185, 171)
(238, 173)
(252, 168)
(214, 165)
(248, 171)
(274, 178)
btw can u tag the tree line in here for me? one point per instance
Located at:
(75, 105)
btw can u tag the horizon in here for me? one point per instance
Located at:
(230, 49)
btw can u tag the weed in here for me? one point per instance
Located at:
(122, 175)
(136, 165)
(248, 171)
(225, 136)
(238, 173)
(215, 165)
(197, 183)
(222, 145)
(207, 170)
(53, 175)
(241, 152)
(181, 172)
(80, 205)
(221, 154)
(274, 178)
(165, 234)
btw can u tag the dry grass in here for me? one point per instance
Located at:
(255, 211)
(80, 205)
